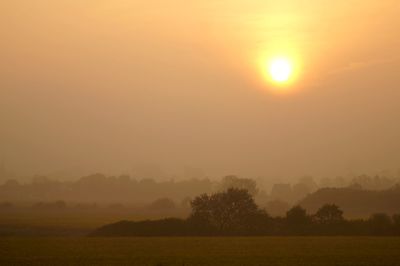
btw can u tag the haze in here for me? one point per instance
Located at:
(110, 86)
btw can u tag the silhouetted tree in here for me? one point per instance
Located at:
(297, 220)
(355, 202)
(380, 224)
(396, 223)
(232, 211)
(329, 214)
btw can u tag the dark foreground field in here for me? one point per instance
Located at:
(201, 251)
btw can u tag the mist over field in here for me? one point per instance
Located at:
(161, 133)
(95, 86)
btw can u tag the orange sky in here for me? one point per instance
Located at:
(106, 85)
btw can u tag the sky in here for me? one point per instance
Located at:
(112, 86)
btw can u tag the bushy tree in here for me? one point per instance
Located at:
(297, 220)
(297, 215)
(396, 223)
(232, 211)
(329, 214)
(380, 224)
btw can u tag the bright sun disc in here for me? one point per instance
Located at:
(280, 70)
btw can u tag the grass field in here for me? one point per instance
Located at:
(308, 251)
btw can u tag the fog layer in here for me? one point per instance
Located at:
(116, 86)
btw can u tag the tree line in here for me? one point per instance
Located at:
(234, 213)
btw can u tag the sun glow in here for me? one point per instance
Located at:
(280, 70)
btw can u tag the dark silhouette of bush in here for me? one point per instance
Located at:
(328, 220)
(329, 214)
(234, 213)
(356, 203)
(396, 223)
(380, 224)
(163, 227)
(297, 221)
(231, 212)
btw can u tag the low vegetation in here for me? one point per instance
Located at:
(355, 202)
(234, 213)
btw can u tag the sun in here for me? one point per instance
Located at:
(280, 70)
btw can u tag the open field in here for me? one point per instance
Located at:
(201, 251)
